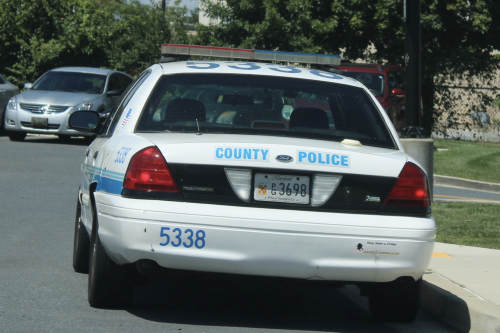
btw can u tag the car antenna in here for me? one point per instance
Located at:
(198, 125)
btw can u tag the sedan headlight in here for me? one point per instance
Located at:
(85, 106)
(12, 103)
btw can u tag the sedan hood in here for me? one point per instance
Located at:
(55, 97)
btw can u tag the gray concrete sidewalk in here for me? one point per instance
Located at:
(462, 284)
(462, 287)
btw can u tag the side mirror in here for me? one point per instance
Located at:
(115, 92)
(85, 121)
(397, 92)
(28, 85)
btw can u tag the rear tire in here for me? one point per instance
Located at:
(81, 244)
(110, 285)
(396, 301)
(16, 136)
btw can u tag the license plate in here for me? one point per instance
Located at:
(281, 188)
(40, 122)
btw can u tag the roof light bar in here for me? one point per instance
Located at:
(224, 52)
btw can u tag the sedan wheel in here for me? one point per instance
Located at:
(16, 136)
(396, 301)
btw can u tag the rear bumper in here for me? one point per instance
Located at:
(265, 242)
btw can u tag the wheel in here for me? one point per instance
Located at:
(81, 244)
(64, 138)
(396, 301)
(110, 285)
(2, 122)
(16, 136)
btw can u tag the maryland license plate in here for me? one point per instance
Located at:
(281, 188)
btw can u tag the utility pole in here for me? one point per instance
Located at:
(412, 62)
(422, 150)
(163, 5)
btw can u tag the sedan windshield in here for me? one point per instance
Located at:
(373, 81)
(263, 105)
(71, 82)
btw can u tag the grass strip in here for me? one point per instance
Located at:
(466, 159)
(472, 224)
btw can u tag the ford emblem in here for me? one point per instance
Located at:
(284, 158)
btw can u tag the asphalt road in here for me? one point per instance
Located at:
(39, 291)
(449, 193)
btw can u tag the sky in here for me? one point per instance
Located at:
(190, 4)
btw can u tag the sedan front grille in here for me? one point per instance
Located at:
(43, 108)
(49, 126)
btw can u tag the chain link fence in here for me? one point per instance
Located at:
(468, 112)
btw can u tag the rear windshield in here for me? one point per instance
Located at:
(263, 105)
(71, 82)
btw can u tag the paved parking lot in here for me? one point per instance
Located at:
(40, 292)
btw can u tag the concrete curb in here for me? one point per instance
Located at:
(466, 183)
(458, 307)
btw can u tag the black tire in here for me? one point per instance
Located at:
(2, 122)
(16, 136)
(110, 285)
(396, 301)
(81, 244)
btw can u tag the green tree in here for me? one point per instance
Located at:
(38, 35)
(458, 36)
(194, 16)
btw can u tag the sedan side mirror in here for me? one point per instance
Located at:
(115, 92)
(397, 92)
(28, 85)
(85, 121)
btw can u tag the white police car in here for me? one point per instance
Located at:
(251, 168)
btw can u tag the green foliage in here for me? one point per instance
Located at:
(194, 16)
(496, 102)
(38, 35)
(458, 37)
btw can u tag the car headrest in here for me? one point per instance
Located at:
(184, 109)
(309, 118)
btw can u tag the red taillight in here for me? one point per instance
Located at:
(148, 171)
(411, 188)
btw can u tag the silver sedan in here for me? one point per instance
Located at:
(7, 90)
(44, 107)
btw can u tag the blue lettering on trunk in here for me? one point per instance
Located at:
(323, 159)
(238, 154)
